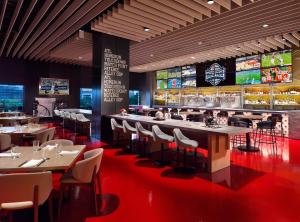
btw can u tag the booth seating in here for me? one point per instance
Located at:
(145, 135)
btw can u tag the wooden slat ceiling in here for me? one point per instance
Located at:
(34, 29)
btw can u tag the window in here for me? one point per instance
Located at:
(134, 97)
(11, 97)
(86, 98)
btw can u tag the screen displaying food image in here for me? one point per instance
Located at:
(174, 73)
(248, 62)
(162, 74)
(50, 86)
(282, 58)
(189, 82)
(248, 77)
(187, 71)
(282, 74)
(174, 83)
(162, 84)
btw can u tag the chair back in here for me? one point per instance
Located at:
(127, 128)
(56, 112)
(5, 142)
(19, 187)
(45, 135)
(80, 117)
(73, 116)
(61, 142)
(178, 137)
(95, 152)
(67, 115)
(160, 136)
(62, 113)
(139, 129)
(114, 124)
(83, 170)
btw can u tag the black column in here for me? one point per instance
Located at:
(110, 81)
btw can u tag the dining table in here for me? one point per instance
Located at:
(13, 120)
(49, 158)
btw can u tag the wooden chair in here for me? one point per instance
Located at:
(45, 135)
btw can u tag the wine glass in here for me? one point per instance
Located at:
(35, 145)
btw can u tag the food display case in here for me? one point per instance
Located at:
(173, 97)
(160, 98)
(230, 96)
(189, 97)
(286, 97)
(209, 95)
(257, 97)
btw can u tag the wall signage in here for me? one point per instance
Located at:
(215, 74)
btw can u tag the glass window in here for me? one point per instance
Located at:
(11, 97)
(134, 97)
(86, 98)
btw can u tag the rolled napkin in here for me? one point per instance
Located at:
(50, 147)
(33, 163)
(65, 152)
(10, 154)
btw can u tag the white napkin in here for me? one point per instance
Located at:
(10, 154)
(50, 147)
(65, 152)
(32, 163)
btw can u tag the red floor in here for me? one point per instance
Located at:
(257, 187)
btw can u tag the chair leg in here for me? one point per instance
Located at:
(35, 204)
(184, 157)
(50, 208)
(195, 157)
(177, 151)
(61, 196)
(95, 196)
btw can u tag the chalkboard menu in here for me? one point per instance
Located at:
(216, 73)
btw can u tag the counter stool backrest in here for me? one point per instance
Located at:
(73, 116)
(67, 115)
(127, 128)
(57, 112)
(160, 136)
(81, 118)
(115, 125)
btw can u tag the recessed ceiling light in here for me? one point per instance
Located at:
(238, 48)
(265, 26)
(193, 57)
(210, 2)
(283, 39)
(146, 29)
(80, 57)
(200, 43)
(151, 55)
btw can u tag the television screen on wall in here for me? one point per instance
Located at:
(187, 71)
(174, 83)
(247, 63)
(162, 84)
(162, 74)
(246, 77)
(280, 74)
(189, 82)
(174, 73)
(274, 59)
(216, 73)
(51, 86)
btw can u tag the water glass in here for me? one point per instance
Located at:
(12, 152)
(35, 145)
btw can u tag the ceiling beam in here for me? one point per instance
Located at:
(291, 39)
(268, 44)
(296, 35)
(280, 39)
(196, 7)
(224, 3)
(274, 42)
(3, 9)
(214, 7)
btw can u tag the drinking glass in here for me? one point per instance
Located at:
(58, 149)
(12, 151)
(35, 145)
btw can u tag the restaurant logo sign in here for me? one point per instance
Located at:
(215, 74)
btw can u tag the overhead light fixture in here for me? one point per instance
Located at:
(265, 26)
(238, 48)
(210, 2)
(80, 57)
(258, 44)
(151, 55)
(283, 39)
(146, 29)
(199, 43)
(193, 57)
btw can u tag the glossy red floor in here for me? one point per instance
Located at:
(262, 186)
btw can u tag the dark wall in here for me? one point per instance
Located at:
(142, 82)
(29, 73)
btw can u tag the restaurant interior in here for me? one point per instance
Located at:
(149, 110)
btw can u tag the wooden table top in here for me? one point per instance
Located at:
(25, 129)
(185, 125)
(250, 117)
(16, 117)
(54, 162)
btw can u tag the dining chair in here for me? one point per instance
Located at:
(62, 142)
(45, 135)
(129, 130)
(85, 172)
(25, 190)
(5, 142)
(143, 134)
(81, 118)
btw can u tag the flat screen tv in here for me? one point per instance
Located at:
(174, 83)
(189, 82)
(281, 74)
(174, 73)
(162, 84)
(51, 86)
(248, 62)
(162, 74)
(252, 76)
(187, 71)
(274, 59)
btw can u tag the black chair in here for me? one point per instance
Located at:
(222, 114)
(265, 132)
(277, 118)
(175, 116)
(239, 113)
(239, 140)
(208, 113)
(195, 117)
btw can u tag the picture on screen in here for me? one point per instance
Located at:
(174, 73)
(248, 77)
(188, 82)
(162, 74)
(49, 86)
(174, 83)
(277, 74)
(187, 71)
(249, 62)
(162, 84)
(282, 58)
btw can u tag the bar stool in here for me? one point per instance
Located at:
(144, 134)
(266, 128)
(185, 143)
(239, 140)
(117, 129)
(74, 119)
(129, 130)
(277, 118)
(162, 138)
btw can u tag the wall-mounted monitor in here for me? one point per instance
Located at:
(189, 82)
(162, 74)
(162, 84)
(274, 59)
(174, 83)
(246, 77)
(51, 86)
(281, 74)
(187, 71)
(174, 73)
(248, 62)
